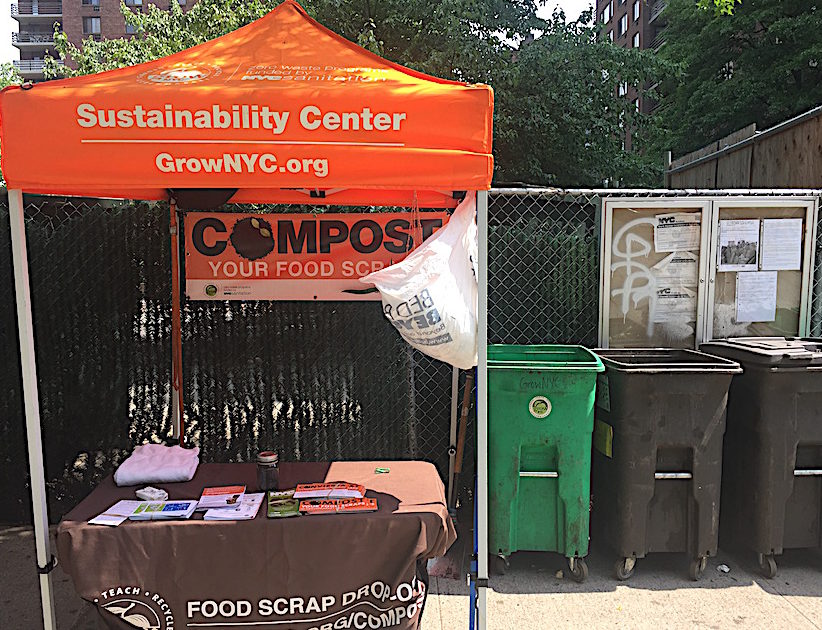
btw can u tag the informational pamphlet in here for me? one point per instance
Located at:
(756, 296)
(337, 506)
(738, 245)
(220, 497)
(144, 511)
(679, 231)
(282, 504)
(245, 511)
(159, 510)
(116, 514)
(333, 490)
(781, 244)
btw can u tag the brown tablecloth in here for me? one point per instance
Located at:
(320, 572)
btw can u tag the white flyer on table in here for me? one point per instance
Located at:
(245, 511)
(679, 231)
(781, 244)
(116, 514)
(680, 268)
(738, 245)
(756, 296)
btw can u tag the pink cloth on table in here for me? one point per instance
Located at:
(157, 463)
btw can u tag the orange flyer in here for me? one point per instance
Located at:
(333, 490)
(221, 496)
(336, 506)
(357, 505)
(319, 506)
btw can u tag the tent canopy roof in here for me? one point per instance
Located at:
(275, 109)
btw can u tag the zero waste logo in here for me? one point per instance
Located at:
(180, 73)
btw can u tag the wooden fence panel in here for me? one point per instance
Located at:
(786, 156)
(701, 176)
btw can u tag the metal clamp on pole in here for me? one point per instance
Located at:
(544, 475)
(808, 472)
(50, 565)
(673, 475)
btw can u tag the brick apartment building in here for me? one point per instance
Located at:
(79, 19)
(633, 24)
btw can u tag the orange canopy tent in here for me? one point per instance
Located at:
(280, 111)
(282, 103)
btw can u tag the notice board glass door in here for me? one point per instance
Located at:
(679, 271)
(761, 257)
(654, 261)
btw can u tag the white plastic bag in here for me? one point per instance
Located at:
(431, 296)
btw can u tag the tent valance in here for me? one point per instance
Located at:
(282, 103)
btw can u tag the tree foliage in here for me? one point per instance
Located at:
(9, 75)
(762, 64)
(719, 7)
(558, 118)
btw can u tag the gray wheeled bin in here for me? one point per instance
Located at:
(660, 420)
(772, 478)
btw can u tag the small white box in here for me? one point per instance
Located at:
(152, 494)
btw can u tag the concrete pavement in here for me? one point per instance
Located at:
(660, 595)
(530, 596)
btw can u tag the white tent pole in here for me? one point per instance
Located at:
(25, 326)
(482, 409)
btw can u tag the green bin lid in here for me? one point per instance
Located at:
(554, 357)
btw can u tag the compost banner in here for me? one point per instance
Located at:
(296, 256)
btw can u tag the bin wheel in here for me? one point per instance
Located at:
(767, 565)
(579, 569)
(498, 565)
(697, 567)
(624, 568)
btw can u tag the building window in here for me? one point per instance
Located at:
(611, 35)
(623, 25)
(130, 30)
(636, 40)
(91, 3)
(622, 90)
(91, 26)
(636, 104)
(606, 14)
(134, 3)
(636, 11)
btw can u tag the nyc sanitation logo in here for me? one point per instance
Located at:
(137, 607)
(180, 73)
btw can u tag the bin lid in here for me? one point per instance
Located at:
(660, 360)
(780, 351)
(553, 357)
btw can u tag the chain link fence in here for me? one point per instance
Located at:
(316, 380)
(543, 259)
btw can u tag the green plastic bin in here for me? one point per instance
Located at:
(540, 422)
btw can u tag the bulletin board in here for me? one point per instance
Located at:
(682, 270)
(761, 268)
(653, 257)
